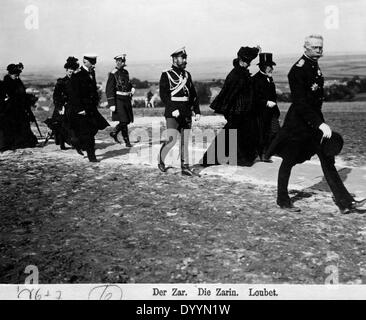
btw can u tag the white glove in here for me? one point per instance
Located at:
(133, 91)
(62, 111)
(112, 108)
(82, 113)
(327, 132)
(271, 104)
(175, 113)
(197, 117)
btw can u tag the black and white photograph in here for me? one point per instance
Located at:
(196, 146)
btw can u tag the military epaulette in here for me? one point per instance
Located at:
(114, 71)
(300, 63)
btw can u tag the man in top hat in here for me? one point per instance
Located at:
(265, 102)
(179, 96)
(305, 132)
(119, 93)
(85, 118)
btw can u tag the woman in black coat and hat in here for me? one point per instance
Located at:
(17, 113)
(235, 102)
(60, 122)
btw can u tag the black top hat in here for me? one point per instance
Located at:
(332, 146)
(265, 59)
(248, 54)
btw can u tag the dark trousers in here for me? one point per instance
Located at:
(174, 128)
(342, 197)
(123, 128)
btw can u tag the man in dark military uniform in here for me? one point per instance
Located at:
(265, 103)
(85, 118)
(179, 96)
(304, 132)
(119, 93)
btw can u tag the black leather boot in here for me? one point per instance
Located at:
(187, 171)
(91, 155)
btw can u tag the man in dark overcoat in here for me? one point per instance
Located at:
(265, 103)
(304, 131)
(119, 93)
(85, 118)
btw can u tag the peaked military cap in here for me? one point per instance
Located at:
(179, 52)
(91, 57)
(120, 56)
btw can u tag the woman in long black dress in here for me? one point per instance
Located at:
(235, 102)
(60, 122)
(17, 113)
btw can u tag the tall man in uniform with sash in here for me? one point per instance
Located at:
(119, 93)
(179, 96)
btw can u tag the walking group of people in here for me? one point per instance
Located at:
(248, 103)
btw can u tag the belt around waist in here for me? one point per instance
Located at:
(179, 98)
(121, 93)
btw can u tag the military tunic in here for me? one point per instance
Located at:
(177, 92)
(300, 135)
(118, 92)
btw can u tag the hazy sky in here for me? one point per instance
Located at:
(152, 29)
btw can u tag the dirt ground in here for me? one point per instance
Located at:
(81, 223)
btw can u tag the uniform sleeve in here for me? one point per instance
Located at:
(164, 89)
(110, 90)
(193, 98)
(297, 81)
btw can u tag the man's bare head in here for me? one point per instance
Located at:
(314, 46)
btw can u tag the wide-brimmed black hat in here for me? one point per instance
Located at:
(332, 146)
(247, 54)
(71, 63)
(14, 68)
(265, 59)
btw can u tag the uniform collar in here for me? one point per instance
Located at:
(310, 59)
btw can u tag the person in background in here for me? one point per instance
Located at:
(119, 93)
